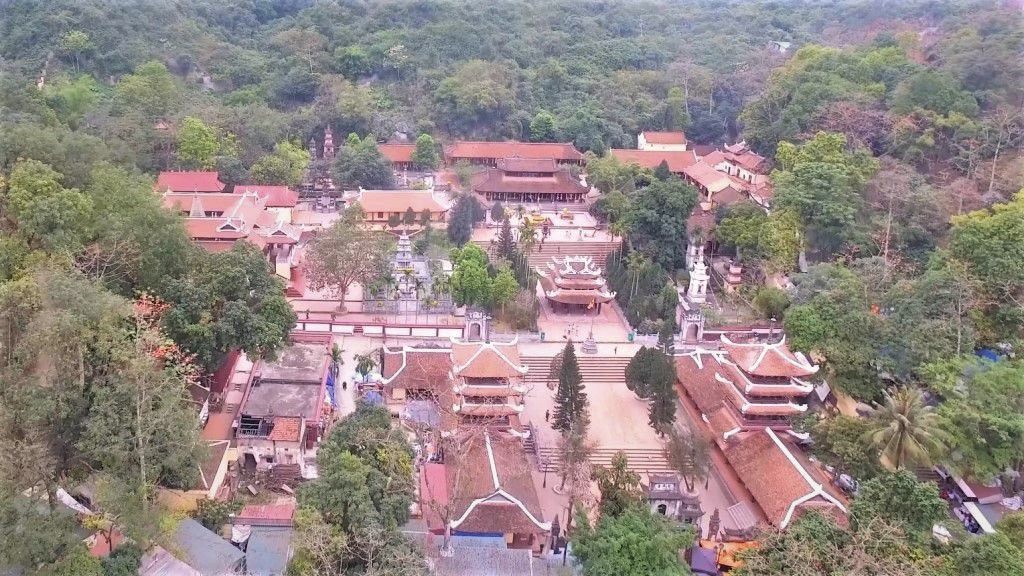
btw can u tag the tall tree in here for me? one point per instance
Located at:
(542, 127)
(360, 163)
(44, 213)
(198, 143)
(904, 430)
(661, 413)
(505, 244)
(286, 165)
(619, 486)
(658, 220)
(990, 243)
(982, 413)
(425, 154)
(347, 252)
(570, 398)
(689, 454)
(822, 182)
(227, 300)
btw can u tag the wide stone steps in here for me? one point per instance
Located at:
(641, 460)
(594, 369)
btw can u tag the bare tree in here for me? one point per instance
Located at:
(346, 253)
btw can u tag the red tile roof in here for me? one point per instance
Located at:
(779, 482)
(275, 196)
(707, 177)
(527, 165)
(677, 161)
(486, 360)
(664, 137)
(401, 200)
(496, 181)
(499, 495)
(496, 150)
(397, 152)
(189, 182)
(266, 514)
(770, 360)
(286, 429)
(417, 369)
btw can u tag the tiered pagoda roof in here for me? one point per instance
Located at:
(483, 373)
(574, 280)
(746, 385)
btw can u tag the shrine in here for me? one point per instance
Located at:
(574, 283)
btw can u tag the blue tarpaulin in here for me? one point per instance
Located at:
(330, 387)
(988, 354)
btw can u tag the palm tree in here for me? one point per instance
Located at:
(904, 430)
(336, 360)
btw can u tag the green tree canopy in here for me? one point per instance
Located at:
(286, 165)
(360, 163)
(425, 154)
(634, 543)
(227, 300)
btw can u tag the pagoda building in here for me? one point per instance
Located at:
(488, 383)
(529, 180)
(746, 385)
(573, 283)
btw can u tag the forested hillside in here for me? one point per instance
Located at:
(895, 130)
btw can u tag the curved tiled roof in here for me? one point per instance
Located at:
(486, 360)
(767, 359)
(495, 150)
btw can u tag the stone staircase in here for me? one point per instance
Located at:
(596, 370)
(542, 254)
(641, 460)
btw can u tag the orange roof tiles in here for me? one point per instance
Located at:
(496, 180)
(397, 152)
(486, 360)
(496, 150)
(778, 481)
(400, 201)
(770, 360)
(500, 497)
(286, 429)
(527, 165)
(190, 182)
(664, 137)
(707, 177)
(677, 161)
(417, 369)
(264, 514)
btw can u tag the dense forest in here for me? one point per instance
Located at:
(896, 131)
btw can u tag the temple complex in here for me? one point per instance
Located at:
(529, 180)
(574, 283)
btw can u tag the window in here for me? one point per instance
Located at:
(380, 215)
(662, 509)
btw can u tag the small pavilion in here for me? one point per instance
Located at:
(574, 283)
